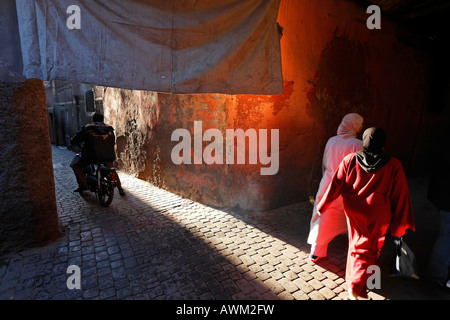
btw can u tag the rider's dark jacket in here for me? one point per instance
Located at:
(99, 142)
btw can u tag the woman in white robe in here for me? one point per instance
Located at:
(325, 228)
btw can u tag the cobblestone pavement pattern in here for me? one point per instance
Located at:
(152, 244)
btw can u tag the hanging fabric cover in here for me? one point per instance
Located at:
(189, 46)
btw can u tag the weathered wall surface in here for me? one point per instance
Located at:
(332, 65)
(337, 65)
(28, 214)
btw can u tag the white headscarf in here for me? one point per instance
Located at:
(350, 125)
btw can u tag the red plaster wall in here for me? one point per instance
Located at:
(332, 65)
(337, 65)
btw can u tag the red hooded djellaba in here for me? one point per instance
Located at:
(375, 191)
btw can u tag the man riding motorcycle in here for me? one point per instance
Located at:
(99, 142)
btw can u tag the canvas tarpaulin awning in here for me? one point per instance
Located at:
(189, 46)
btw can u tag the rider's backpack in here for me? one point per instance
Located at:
(100, 143)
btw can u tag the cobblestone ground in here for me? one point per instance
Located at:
(152, 244)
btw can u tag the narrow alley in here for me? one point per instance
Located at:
(154, 245)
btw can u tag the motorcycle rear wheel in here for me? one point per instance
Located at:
(105, 192)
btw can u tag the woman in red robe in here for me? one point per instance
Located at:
(376, 196)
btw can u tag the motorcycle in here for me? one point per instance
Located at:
(101, 180)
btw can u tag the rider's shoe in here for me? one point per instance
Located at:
(82, 187)
(121, 192)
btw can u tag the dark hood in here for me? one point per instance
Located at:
(372, 157)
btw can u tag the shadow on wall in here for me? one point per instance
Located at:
(330, 71)
(333, 95)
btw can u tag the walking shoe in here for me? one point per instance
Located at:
(352, 296)
(314, 258)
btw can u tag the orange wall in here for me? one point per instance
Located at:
(332, 65)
